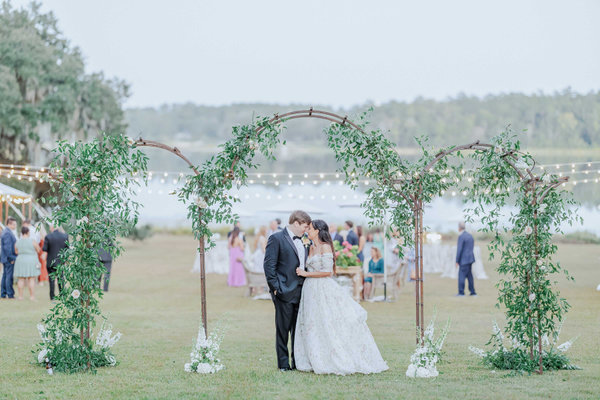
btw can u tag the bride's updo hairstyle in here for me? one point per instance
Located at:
(324, 236)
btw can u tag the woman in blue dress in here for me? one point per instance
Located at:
(375, 267)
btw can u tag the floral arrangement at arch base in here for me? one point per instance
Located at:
(517, 357)
(429, 351)
(205, 351)
(60, 350)
(346, 254)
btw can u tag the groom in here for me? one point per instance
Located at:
(284, 253)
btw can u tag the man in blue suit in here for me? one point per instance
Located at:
(8, 239)
(464, 260)
(352, 237)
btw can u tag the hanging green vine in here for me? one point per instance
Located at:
(92, 201)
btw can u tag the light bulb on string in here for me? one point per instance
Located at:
(258, 175)
(276, 183)
(290, 176)
(322, 176)
(306, 175)
(290, 183)
(274, 175)
(315, 182)
(302, 183)
(328, 183)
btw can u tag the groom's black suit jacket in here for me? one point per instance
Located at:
(281, 261)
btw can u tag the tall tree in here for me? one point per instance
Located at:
(45, 94)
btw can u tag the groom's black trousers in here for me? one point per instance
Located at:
(286, 314)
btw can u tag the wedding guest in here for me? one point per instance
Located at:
(370, 237)
(351, 237)
(335, 235)
(274, 226)
(8, 238)
(238, 225)
(260, 243)
(375, 267)
(55, 242)
(106, 259)
(27, 266)
(237, 276)
(464, 260)
(409, 257)
(278, 224)
(378, 239)
(42, 235)
(362, 239)
(392, 257)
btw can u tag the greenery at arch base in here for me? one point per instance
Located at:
(93, 168)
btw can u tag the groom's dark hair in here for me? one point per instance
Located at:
(300, 216)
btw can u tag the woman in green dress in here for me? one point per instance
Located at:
(27, 266)
(375, 267)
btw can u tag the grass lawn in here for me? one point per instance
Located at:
(155, 302)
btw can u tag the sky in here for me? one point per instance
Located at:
(334, 53)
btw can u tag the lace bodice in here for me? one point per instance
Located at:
(320, 263)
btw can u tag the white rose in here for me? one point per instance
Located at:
(547, 178)
(75, 294)
(528, 230)
(543, 207)
(95, 177)
(532, 297)
(42, 355)
(200, 202)
(540, 263)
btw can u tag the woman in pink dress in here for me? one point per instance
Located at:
(237, 276)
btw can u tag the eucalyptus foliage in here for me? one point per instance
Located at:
(92, 188)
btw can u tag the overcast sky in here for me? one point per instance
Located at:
(338, 53)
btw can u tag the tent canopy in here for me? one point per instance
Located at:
(6, 190)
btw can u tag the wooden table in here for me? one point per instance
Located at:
(356, 273)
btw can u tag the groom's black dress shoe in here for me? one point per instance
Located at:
(285, 369)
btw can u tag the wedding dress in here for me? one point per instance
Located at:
(332, 336)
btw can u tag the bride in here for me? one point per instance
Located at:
(332, 336)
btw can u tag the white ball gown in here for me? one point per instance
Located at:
(332, 336)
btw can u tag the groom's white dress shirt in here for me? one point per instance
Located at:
(299, 247)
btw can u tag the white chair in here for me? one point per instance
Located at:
(253, 279)
(393, 282)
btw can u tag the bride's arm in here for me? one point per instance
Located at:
(306, 274)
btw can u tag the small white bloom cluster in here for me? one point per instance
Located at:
(104, 340)
(82, 220)
(528, 230)
(423, 361)
(204, 353)
(521, 164)
(477, 351)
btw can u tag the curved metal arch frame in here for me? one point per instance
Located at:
(529, 180)
(277, 119)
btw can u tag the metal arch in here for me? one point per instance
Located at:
(277, 119)
(510, 158)
(151, 143)
(312, 113)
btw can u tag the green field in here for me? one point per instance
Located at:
(155, 302)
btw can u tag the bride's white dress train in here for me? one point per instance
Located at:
(332, 336)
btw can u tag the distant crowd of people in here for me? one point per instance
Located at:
(33, 257)
(370, 250)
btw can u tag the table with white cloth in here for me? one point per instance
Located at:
(441, 258)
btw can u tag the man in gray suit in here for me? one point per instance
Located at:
(464, 260)
(106, 259)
